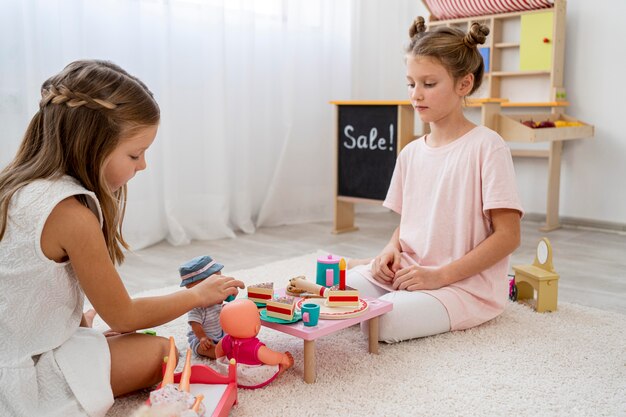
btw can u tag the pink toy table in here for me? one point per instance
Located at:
(375, 309)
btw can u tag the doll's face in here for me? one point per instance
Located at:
(240, 319)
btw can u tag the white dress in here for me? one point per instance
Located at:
(48, 364)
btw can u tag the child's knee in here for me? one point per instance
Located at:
(164, 348)
(161, 350)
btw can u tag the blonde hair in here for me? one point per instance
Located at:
(456, 50)
(83, 112)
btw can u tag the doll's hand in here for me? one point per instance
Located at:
(415, 277)
(206, 343)
(385, 266)
(216, 288)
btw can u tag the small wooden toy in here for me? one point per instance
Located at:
(281, 307)
(540, 277)
(342, 298)
(261, 293)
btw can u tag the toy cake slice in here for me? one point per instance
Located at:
(261, 293)
(281, 308)
(342, 298)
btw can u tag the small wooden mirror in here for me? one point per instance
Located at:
(542, 252)
(543, 258)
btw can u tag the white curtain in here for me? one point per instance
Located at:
(246, 130)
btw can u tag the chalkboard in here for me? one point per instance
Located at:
(367, 150)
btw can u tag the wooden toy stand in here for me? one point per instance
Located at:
(539, 46)
(539, 277)
(355, 178)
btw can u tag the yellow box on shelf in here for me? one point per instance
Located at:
(512, 127)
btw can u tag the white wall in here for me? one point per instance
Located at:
(593, 172)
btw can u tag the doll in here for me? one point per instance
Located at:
(204, 325)
(175, 399)
(257, 365)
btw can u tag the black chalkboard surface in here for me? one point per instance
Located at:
(367, 150)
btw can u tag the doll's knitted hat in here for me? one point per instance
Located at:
(197, 269)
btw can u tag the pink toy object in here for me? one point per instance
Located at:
(257, 365)
(512, 288)
(201, 391)
(330, 277)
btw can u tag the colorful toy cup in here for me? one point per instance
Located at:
(310, 314)
(327, 265)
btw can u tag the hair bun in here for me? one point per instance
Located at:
(418, 26)
(477, 35)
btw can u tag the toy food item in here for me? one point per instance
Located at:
(546, 123)
(529, 123)
(292, 289)
(261, 293)
(340, 298)
(281, 308)
(306, 288)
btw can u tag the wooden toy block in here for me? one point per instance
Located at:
(540, 277)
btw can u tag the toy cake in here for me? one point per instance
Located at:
(261, 293)
(342, 298)
(281, 308)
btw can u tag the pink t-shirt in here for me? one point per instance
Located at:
(244, 351)
(444, 195)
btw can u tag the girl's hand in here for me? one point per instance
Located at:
(216, 288)
(385, 266)
(417, 278)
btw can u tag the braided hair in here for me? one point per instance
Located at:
(83, 113)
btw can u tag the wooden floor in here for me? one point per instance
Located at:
(591, 263)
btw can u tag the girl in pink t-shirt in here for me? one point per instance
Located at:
(445, 267)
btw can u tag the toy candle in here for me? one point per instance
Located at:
(342, 274)
(325, 263)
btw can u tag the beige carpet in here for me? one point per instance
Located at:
(568, 363)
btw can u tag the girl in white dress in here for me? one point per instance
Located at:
(62, 202)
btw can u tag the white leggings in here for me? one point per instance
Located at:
(415, 314)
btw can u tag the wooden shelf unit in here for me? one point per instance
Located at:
(540, 49)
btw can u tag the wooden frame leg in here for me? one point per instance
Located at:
(373, 335)
(554, 187)
(344, 217)
(309, 361)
